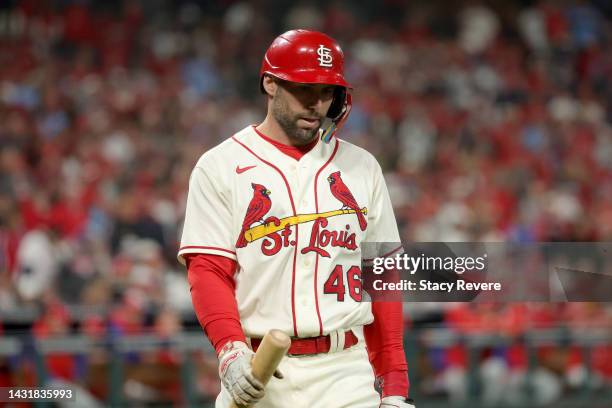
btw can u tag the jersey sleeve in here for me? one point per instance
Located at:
(208, 221)
(382, 237)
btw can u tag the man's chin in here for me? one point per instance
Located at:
(306, 135)
(299, 135)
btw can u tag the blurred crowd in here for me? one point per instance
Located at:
(521, 354)
(491, 119)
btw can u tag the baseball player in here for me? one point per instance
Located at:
(274, 221)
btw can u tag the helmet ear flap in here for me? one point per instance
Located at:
(337, 105)
(336, 122)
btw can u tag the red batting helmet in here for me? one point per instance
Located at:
(310, 57)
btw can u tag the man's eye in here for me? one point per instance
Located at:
(328, 92)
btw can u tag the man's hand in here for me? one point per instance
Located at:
(396, 402)
(235, 372)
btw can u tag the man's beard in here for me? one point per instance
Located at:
(288, 122)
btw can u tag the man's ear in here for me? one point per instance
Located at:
(269, 85)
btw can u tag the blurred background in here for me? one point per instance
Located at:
(491, 119)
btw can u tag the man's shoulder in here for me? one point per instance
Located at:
(356, 153)
(218, 156)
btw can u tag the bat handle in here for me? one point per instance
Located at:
(271, 351)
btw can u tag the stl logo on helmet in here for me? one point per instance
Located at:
(325, 56)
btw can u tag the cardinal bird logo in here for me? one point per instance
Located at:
(258, 207)
(344, 195)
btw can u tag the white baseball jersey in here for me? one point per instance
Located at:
(294, 228)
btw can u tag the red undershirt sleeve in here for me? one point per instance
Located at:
(384, 340)
(211, 279)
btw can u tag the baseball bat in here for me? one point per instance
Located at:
(271, 351)
(260, 231)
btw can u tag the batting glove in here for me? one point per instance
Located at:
(235, 373)
(396, 402)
